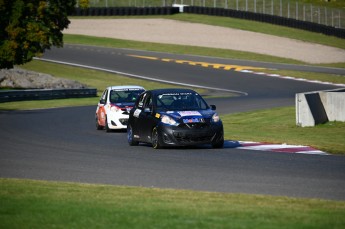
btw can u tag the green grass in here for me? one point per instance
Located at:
(40, 204)
(279, 126)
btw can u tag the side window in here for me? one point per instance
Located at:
(140, 102)
(104, 97)
(201, 103)
(148, 102)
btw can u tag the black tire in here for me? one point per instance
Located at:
(107, 129)
(155, 139)
(98, 127)
(219, 143)
(130, 137)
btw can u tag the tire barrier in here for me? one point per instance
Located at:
(125, 11)
(289, 22)
(45, 94)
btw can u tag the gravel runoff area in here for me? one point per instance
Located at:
(18, 78)
(184, 33)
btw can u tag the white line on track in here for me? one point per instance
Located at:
(142, 77)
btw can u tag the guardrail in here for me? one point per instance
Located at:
(45, 94)
(125, 11)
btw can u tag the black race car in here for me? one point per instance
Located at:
(174, 117)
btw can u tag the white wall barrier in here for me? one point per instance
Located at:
(318, 107)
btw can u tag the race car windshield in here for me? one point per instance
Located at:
(124, 96)
(180, 101)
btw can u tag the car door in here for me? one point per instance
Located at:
(135, 116)
(146, 118)
(142, 119)
(101, 113)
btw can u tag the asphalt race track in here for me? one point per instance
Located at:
(63, 144)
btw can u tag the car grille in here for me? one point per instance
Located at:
(193, 125)
(191, 138)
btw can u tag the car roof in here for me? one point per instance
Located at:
(125, 87)
(171, 90)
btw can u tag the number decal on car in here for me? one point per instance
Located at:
(137, 113)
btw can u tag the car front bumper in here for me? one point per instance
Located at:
(117, 121)
(177, 136)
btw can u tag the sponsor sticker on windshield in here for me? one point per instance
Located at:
(127, 89)
(189, 113)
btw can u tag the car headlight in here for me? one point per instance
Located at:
(215, 118)
(114, 108)
(168, 120)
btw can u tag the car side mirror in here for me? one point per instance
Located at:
(213, 107)
(102, 101)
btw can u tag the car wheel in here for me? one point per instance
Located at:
(107, 129)
(219, 143)
(98, 127)
(155, 139)
(130, 137)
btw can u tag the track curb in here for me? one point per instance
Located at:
(278, 148)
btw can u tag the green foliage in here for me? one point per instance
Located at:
(28, 27)
(84, 4)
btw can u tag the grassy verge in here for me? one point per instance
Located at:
(278, 126)
(39, 204)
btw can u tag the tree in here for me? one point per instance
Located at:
(29, 27)
(84, 4)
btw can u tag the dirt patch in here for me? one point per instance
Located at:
(175, 32)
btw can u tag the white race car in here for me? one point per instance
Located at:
(114, 106)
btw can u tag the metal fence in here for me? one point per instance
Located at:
(284, 8)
